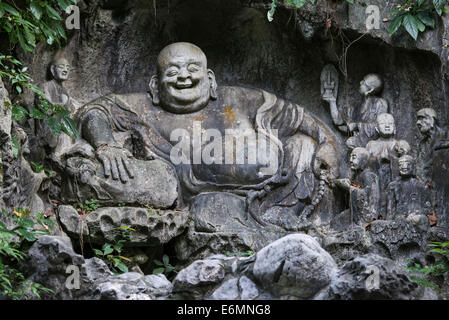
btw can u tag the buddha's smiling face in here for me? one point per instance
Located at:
(184, 82)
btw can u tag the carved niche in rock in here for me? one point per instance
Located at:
(263, 150)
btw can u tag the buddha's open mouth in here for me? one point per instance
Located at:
(181, 86)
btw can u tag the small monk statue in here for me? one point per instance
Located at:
(363, 127)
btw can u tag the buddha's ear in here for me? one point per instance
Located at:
(154, 90)
(213, 84)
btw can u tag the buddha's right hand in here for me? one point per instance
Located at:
(115, 162)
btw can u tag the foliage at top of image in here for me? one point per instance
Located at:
(34, 21)
(27, 24)
(414, 16)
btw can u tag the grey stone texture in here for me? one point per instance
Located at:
(152, 227)
(50, 262)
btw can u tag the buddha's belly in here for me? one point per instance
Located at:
(243, 162)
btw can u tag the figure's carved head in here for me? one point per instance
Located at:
(406, 166)
(402, 148)
(385, 126)
(371, 84)
(183, 83)
(60, 69)
(427, 120)
(358, 159)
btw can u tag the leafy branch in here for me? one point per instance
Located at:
(14, 242)
(27, 24)
(294, 3)
(416, 16)
(34, 21)
(111, 253)
(164, 266)
(441, 266)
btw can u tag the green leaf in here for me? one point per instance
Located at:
(165, 259)
(37, 114)
(69, 127)
(15, 146)
(420, 3)
(299, 3)
(29, 37)
(36, 10)
(158, 263)
(63, 4)
(52, 13)
(27, 235)
(37, 167)
(158, 271)
(54, 126)
(411, 25)
(420, 25)
(439, 5)
(9, 9)
(395, 24)
(350, 1)
(426, 18)
(122, 267)
(18, 113)
(98, 252)
(22, 41)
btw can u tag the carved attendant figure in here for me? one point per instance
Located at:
(53, 89)
(433, 138)
(363, 128)
(55, 93)
(409, 197)
(363, 188)
(383, 151)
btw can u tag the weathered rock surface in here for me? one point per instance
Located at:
(152, 227)
(133, 286)
(155, 184)
(220, 224)
(295, 265)
(374, 277)
(198, 278)
(53, 263)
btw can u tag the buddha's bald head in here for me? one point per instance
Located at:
(183, 83)
(180, 50)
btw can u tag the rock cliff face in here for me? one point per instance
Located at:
(115, 51)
